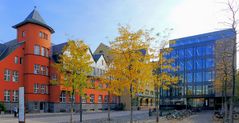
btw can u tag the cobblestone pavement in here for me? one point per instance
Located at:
(100, 117)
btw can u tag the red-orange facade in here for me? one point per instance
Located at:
(25, 62)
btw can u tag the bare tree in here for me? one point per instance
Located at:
(232, 21)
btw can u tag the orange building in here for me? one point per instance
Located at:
(25, 62)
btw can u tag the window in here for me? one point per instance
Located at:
(7, 74)
(46, 91)
(189, 65)
(199, 51)
(208, 76)
(42, 51)
(46, 52)
(15, 59)
(21, 60)
(106, 99)
(35, 106)
(63, 96)
(43, 70)
(205, 89)
(47, 71)
(94, 71)
(92, 83)
(7, 95)
(40, 34)
(15, 76)
(198, 77)
(36, 88)
(181, 53)
(45, 36)
(36, 69)
(189, 90)
(42, 89)
(72, 97)
(198, 90)
(209, 50)
(189, 52)
(15, 96)
(53, 76)
(100, 86)
(198, 64)
(181, 77)
(181, 66)
(92, 98)
(209, 63)
(189, 77)
(23, 33)
(36, 49)
(84, 98)
(100, 99)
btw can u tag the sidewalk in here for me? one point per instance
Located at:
(64, 117)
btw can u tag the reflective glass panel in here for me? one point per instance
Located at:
(181, 53)
(181, 66)
(198, 64)
(198, 90)
(209, 63)
(199, 51)
(189, 77)
(209, 49)
(189, 90)
(189, 52)
(189, 65)
(207, 76)
(198, 77)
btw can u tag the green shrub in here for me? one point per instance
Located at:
(2, 107)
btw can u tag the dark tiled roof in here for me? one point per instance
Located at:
(2, 47)
(96, 57)
(57, 49)
(10, 47)
(143, 51)
(35, 18)
(11, 43)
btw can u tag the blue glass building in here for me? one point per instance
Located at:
(195, 57)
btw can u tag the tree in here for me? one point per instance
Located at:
(74, 68)
(163, 72)
(232, 22)
(223, 81)
(131, 62)
(113, 87)
(233, 7)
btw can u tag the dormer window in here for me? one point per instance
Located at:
(23, 33)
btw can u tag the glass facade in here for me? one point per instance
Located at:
(196, 62)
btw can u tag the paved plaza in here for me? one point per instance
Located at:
(100, 117)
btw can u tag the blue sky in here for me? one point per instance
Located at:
(96, 21)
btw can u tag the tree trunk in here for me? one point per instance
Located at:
(108, 101)
(234, 62)
(231, 111)
(81, 109)
(225, 110)
(131, 105)
(157, 104)
(72, 101)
